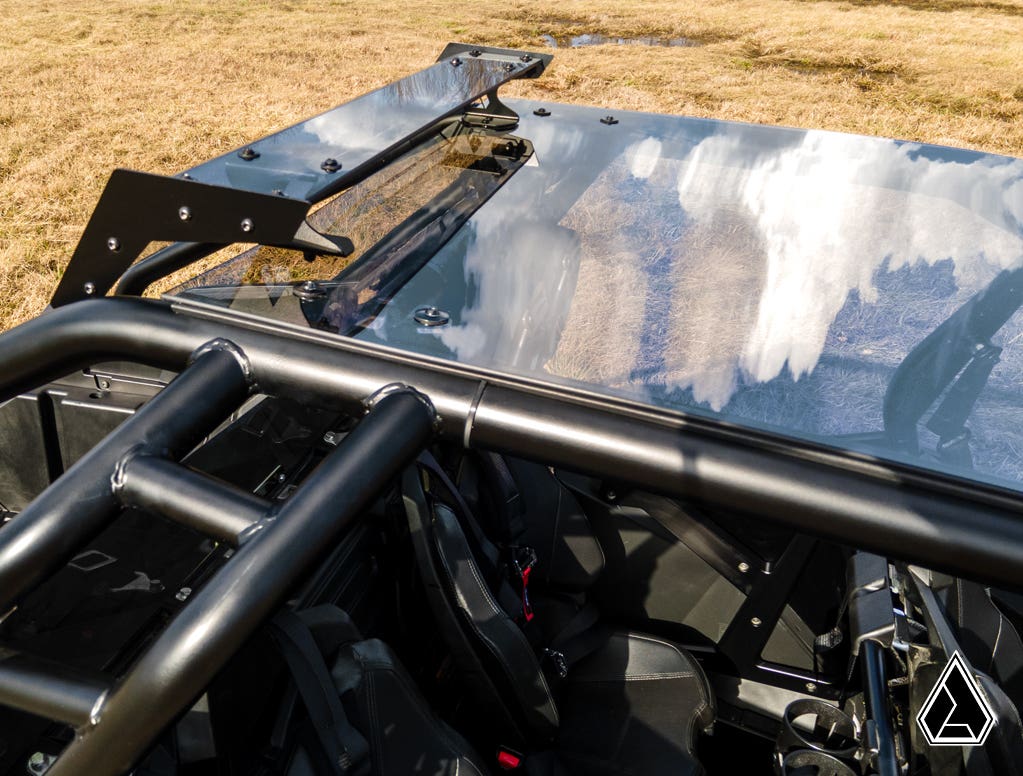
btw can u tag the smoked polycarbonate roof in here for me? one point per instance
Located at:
(774, 278)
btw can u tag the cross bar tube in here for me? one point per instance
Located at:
(49, 690)
(225, 612)
(969, 530)
(81, 502)
(210, 506)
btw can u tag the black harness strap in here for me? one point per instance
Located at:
(344, 748)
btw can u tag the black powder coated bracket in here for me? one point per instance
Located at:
(261, 193)
(137, 208)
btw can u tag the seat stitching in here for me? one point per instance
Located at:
(652, 640)
(998, 636)
(636, 678)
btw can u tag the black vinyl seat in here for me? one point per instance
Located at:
(397, 733)
(575, 695)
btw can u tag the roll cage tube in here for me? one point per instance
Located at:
(136, 465)
(964, 529)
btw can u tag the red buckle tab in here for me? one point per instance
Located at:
(508, 761)
(527, 607)
(524, 560)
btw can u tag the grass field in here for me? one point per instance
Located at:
(159, 86)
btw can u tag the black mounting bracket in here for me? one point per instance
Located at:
(137, 208)
(262, 192)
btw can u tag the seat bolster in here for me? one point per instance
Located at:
(405, 735)
(635, 706)
(502, 637)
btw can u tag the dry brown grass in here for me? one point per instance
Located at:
(160, 86)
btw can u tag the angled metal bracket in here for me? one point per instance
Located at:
(261, 192)
(137, 208)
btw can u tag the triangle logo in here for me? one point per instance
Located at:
(956, 712)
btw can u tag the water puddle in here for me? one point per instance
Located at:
(595, 39)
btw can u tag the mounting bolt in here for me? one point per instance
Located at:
(281, 477)
(811, 687)
(744, 567)
(756, 622)
(39, 763)
(185, 213)
(278, 192)
(456, 62)
(430, 316)
(186, 176)
(475, 53)
(526, 58)
(103, 384)
(609, 120)
(541, 112)
(309, 290)
(332, 438)
(248, 153)
(611, 495)
(508, 67)
(89, 287)
(113, 244)
(183, 594)
(247, 225)
(330, 165)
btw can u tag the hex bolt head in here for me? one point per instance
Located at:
(247, 225)
(744, 567)
(183, 594)
(185, 213)
(113, 244)
(508, 67)
(330, 165)
(541, 112)
(475, 53)
(609, 120)
(248, 153)
(811, 687)
(526, 58)
(756, 622)
(456, 62)
(89, 288)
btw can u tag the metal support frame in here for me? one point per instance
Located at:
(136, 466)
(142, 274)
(744, 640)
(963, 529)
(49, 690)
(223, 614)
(880, 738)
(210, 506)
(82, 501)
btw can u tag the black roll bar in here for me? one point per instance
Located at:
(137, 465)
(80, 504)
(218, 619)
(878, 506)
